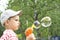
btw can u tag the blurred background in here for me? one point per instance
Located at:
(44, 8)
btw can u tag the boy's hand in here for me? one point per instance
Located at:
(31, 37)
(28, 31)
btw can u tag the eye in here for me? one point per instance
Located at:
(16, 20)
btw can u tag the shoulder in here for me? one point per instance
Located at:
(9, 33)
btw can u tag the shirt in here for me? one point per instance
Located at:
(9, 35)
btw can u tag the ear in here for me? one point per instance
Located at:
(6, 22)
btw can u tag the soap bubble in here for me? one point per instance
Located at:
(46, 21)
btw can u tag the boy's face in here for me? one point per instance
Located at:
(13, 23)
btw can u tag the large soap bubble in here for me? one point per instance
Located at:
(46, 21)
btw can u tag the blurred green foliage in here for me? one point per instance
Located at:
(49, 8)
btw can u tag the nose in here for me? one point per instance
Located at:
(19, 23)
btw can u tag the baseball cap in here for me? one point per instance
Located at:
(7, 14)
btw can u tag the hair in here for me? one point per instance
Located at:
(7, 19)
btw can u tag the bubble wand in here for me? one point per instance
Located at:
(29, 31)
(36, 22)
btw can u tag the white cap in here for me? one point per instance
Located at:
(7, 14)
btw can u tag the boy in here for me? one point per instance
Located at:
(10, 20)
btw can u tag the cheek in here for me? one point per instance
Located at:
(12, 23)
(16, 24)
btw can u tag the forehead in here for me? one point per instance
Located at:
(14, 17)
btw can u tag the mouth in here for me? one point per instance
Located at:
(18, 26)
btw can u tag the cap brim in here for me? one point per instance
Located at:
(19, 13)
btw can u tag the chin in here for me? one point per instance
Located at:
(16, 29)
